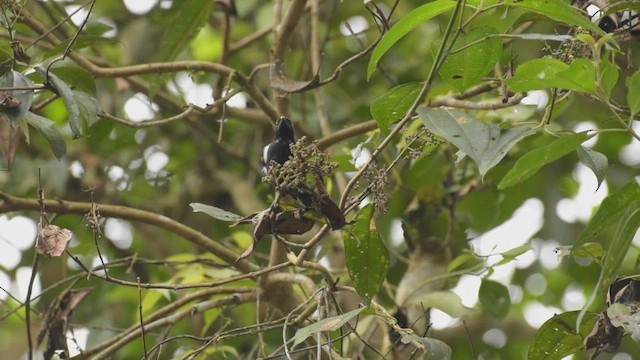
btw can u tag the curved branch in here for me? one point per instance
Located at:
(12, 203)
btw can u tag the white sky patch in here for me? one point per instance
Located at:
(23, 276)
(238, 100)
(113, 31)
(140, 108)
(115, 173)
(360, 156)
(19, 231)
(81, 335)
(441, 320)
(630, 153)
(547, 255)
(396, 234)
(495, 337)
(525, 222)
(515, 293)
(586, 126)
(139, 7)
(78, 18)
(467, 288)
(119, 232)
(539, 98)
(536, 314)
(573, 298)
(621, 356)
(156, 161)
(199, 94)
(580, 208)
(76, 169)
(357, 24)
(97, 263)
(5, 283)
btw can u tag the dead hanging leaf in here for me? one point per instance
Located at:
(53, 240)
(605, 336)
(287, 222)
(9, 138)
(56, 321)
(279, 80)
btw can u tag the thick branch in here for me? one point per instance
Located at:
(11, 203)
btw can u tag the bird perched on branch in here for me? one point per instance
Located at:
(279, 150)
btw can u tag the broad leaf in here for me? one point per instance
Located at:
(558, 10)
(467, 67)
(328, 324)
(609, 213)
(529, 164)
(188, 17)
(366, 255)
(494, 298)
(70, 103)
(393, 105)
(433, 348)
(609, 74)
(595, 161)
(616, 251)
(48, 129)
(404, 25)
(546, 73)
(88, 107)
(633, 96)
(557, 337)
(483, 142)
(15, 103)
(215, 212)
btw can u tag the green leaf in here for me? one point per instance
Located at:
(69, 100)
(14, 79)
(531, 162)
(557, 10)
(327, 324)
(433, 348)
(404, 25)
(394, 104)
(494, 298)
(366, 255)
(88, 107)
(215, 212)
(466, 68)
(633, 96)
(49, 131)
(76, 77)
(609, 213)
(557, 337)
(546, 73)
(616, 251)
(609, 73)
(188, 17)
(483, 142)
(79, 42)
(595, 161)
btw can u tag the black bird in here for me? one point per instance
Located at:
(280, 149)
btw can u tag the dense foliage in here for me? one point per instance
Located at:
(463, 171)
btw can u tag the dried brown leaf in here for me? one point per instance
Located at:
(53, 240)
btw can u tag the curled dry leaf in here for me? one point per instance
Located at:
(57, 319)
(284, 222)
(605, 336)
(52, 240)
(280, 82)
